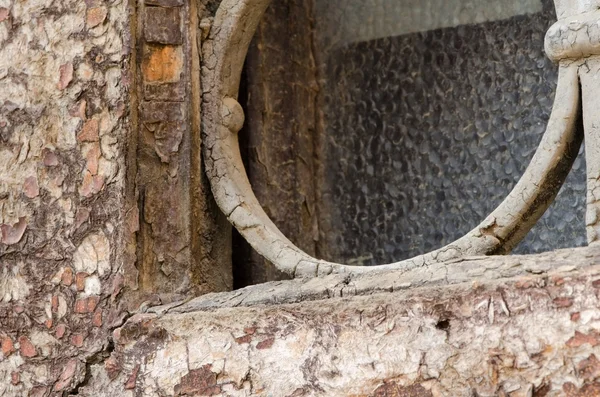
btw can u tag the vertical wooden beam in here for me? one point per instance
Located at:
(178, 228)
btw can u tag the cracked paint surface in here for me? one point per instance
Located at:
(224, 52)
(511, 334)
(77, 221)
(492, 325)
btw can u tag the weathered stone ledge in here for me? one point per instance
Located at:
(503, 326)
(469, 270)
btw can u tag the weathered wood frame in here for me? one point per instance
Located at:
(225, 51)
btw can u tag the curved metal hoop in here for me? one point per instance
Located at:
(224, 55)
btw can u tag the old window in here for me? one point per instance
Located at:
(376, 141)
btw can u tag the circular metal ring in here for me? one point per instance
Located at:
(224, 53)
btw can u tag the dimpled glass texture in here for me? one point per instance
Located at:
(426, 133)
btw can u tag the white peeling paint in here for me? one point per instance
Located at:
(93, 255)
(92, 286)
(12, 285)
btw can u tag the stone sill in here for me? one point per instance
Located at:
(493, 326)
(475, 270)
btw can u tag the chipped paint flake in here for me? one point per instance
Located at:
(93, 255)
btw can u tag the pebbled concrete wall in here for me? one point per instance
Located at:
(412, 139)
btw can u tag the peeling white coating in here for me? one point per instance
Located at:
(224, 54)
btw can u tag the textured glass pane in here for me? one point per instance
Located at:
(427, 130)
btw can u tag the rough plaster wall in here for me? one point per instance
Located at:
(514, 326)
(63, 112)
(426, 133)
(99, 134)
